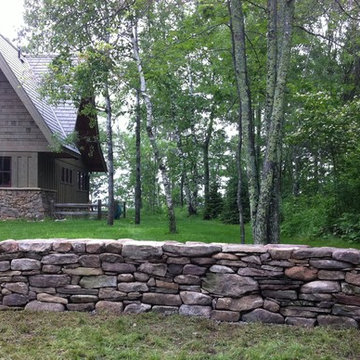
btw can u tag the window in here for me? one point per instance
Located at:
(83, 181)
(66, 175)
(5, 171)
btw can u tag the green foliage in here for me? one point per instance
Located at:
(230, 212)
(307, 216)
(215, 204)
(348, 227)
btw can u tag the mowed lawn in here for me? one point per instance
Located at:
(71, 336)
(152, 227)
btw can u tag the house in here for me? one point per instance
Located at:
(31, 173)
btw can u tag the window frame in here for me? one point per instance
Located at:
(3, 171)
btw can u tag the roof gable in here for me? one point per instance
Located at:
(23, 75)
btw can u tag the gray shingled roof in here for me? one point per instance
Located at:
(60, 119)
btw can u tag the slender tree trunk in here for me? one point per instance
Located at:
(138, 160)
(110, 157)
(151, 135)
(275, 130)
(240, 182)
(240, 63)
(206, 165)
(182, 190)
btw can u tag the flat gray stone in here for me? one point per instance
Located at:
(25, 264)
(306, 253)
(137, 308)
(153, 269)
(60, 259)
(49, 280)
(132, 287)
(9, 246)
(111, 258)
(320, 286)
(239, 248)
(348, 255)
(44, 306)
(245, 303)
(35, 245)
(329, 264)
(331, 275)
(83, 298)
(161, 299)
(280, 294)
(352, 278)
(195, 298)
(299, 321)
(229, 284)
(43, 297)
(337, 321)
(111, 294)
(228, 316)
(15, 300)
(191, 249)
(347, 310)
(17, 287)
(165, 310)
(76, 290)
(221, 269)
(120, 268)
(142, 250)
(263, 316)
(350, 289)
(190, 269)
(100, 281)
(92, 261)
(253, 272)
(83, 271)
(187, 280)
(4, 265)
(85, 307)
(271, 305)
(195, 310)
(109, 307)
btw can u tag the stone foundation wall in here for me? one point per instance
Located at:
(295, 285)
(25, 203)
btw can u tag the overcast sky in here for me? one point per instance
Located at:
(11, 17)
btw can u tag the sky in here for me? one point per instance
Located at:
(11, 18)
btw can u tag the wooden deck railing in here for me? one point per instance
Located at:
(63, 210)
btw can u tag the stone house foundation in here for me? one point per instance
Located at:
(25, 203)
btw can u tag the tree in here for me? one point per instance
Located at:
(263, 190)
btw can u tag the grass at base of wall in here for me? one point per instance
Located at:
(56, 336)
(152, 227)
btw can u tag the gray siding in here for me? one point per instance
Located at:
(23, 168)
(18, 131)
(69, 193)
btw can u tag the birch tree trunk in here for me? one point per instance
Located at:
(206, 146)
(151, 134)
(264, 194)
(274, 138)
(138, 161)
(241, 74)
(110, 157)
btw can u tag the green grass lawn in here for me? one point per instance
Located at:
(152, 227)
(72, 336)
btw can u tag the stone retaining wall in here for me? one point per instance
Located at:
(25, 203)
(295, 285)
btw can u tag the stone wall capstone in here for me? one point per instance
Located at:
(283, 284)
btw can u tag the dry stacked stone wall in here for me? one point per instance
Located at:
(295, 285)
(25, 203)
